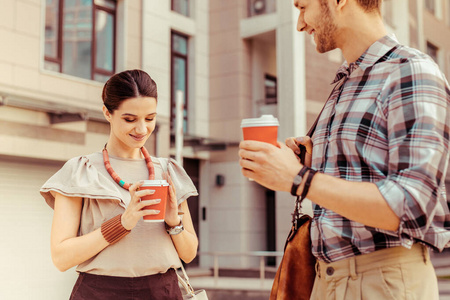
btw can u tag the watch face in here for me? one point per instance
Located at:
(297, 180)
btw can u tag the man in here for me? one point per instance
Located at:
(381, 150)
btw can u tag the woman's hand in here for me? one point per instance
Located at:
(172, 218)
(135, 210)
(294, 144)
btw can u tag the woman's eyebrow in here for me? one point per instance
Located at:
(132, 115)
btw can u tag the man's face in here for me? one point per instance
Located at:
(316, 19)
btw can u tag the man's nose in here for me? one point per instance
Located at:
(301, 25)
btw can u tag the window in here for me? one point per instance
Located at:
(179, 80)
(432, 51)
(80, 38)
(181, 7)
(430, 6)
(270, 87)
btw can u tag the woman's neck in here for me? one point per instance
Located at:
(120, 150)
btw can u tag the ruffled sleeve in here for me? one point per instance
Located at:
(79, 178)
(184, 186)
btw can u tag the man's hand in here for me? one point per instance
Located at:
(270, 166)
(294, 144)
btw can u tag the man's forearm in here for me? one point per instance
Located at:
(358, 201)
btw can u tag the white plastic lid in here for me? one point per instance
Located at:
(155, 183)
(264, 120)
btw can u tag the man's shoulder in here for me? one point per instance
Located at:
(404, 61)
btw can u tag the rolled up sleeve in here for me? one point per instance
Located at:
(417, 111)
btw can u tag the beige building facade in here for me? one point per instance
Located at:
(232, 59)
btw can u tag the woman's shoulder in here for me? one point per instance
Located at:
(79, 177)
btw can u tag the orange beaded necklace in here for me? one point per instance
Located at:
(148, 161)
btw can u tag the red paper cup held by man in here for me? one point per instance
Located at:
(263, 129)
(161, 188)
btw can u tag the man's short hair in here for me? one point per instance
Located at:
(370, 5)
(367, 5)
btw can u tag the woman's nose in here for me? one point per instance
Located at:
(141, 128)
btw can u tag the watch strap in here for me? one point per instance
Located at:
(175, 229)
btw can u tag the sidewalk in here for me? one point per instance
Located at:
(257, 289)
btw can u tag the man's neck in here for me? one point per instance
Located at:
(359, 36)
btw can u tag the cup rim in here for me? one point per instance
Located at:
(155, 182)
(263, 121)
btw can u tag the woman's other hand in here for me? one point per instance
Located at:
(172, 218)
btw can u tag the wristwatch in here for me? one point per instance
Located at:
(298, 180)
(177, 229)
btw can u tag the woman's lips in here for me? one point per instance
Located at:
(138, 137)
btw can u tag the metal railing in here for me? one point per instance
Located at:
(261, 254)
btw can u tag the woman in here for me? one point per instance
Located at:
(97, 223)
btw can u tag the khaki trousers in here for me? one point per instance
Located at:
(394, 273)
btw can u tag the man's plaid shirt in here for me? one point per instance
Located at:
(388, 122)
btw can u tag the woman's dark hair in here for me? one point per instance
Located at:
(125, 85)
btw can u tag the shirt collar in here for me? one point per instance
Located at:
(369, 57)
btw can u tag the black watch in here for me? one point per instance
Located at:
(298, 180)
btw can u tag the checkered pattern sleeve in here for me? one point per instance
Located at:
(416, 106)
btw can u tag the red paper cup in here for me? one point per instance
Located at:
(263, 129)
(161, 188)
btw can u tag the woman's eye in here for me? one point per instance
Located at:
(129, 120)
(149, 120)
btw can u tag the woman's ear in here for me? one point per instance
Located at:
(106, 113)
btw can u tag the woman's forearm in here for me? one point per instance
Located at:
(76, 250)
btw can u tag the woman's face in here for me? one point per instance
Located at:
(133, 122)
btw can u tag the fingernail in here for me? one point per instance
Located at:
(299, 139)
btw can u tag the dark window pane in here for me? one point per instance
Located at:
(77, 59)
(179, 84)
(270, 86)
(179, 44)
(77, 40)
(104, 28)
(181, 7)
(178, 74)
(51, 28)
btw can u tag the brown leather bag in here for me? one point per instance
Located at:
(295, 275)
(297, 271)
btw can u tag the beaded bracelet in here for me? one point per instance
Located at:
(113, 230)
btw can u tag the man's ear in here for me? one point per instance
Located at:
(340, 3)
(106, 113)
